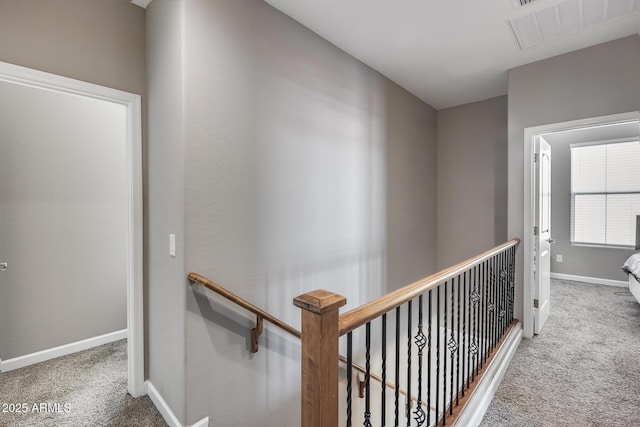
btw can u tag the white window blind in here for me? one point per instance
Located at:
(605, 193)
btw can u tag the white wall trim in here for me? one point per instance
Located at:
(135, 322)
(529, 205)
(594, 280)
(63, 350)
(166, 411)
(477, 406)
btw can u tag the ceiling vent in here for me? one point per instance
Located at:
(566, 17)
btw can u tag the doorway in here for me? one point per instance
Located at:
(531, 135)
(35, 196)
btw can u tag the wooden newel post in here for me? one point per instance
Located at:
(320, 314)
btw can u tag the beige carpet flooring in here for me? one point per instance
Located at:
(88, 388)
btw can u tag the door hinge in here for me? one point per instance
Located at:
(535, 157)
(536, 303)
(535, 230)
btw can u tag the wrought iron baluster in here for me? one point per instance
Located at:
(367, 376)
(512, 282)
(420, 341)
(479, 320)
(512, 266)
(465, 374)
(503, 292)
(458, 347)
(492, 307)
(444, 357)
(349, 375)
(438, 353)
(409, 337)
(485, 322)
(487, 328)
(397, 391)
(497, 298)
(492, 290)
(496, 302)
(384, 371)
(499, 312)
(452, 345)
(429, 362)
(474, 347)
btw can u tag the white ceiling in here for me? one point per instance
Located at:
(449, 52)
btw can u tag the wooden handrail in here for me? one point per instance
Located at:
(261, 314)
(367, 312)
(196, 278)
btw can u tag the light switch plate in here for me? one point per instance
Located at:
(172, 244)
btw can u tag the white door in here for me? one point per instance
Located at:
(542, 238)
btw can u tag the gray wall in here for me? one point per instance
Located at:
(97, 41)
(585, 261)
(472, 179)
(305, 169)
(592, 82)
(166, 276)
(63, 205)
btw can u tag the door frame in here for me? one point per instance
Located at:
(135, 320)
(530, 195)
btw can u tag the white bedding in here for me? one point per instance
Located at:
(632, 267)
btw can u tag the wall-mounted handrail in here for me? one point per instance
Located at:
(367, 312)
(197, 278)
(261, 314)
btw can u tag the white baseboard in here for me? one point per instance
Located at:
(166, 411)
(594, 280)
(477, 406)
(202, 423)
(63, 350)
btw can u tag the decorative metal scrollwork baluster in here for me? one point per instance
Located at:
(458, 348)
(429, 361)
(408, 409)
(367, 377)
(502, 314)
(452, 344)
(444, 357)
(473, 347)
(421, 342)
(491, 304)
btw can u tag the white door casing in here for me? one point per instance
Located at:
(40, 80)
(528, 239)
(542, 235)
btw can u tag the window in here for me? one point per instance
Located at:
(605, 193)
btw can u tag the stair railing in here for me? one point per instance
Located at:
(468, 309)
(262, 315)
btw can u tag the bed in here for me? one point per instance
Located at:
(632, 268)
